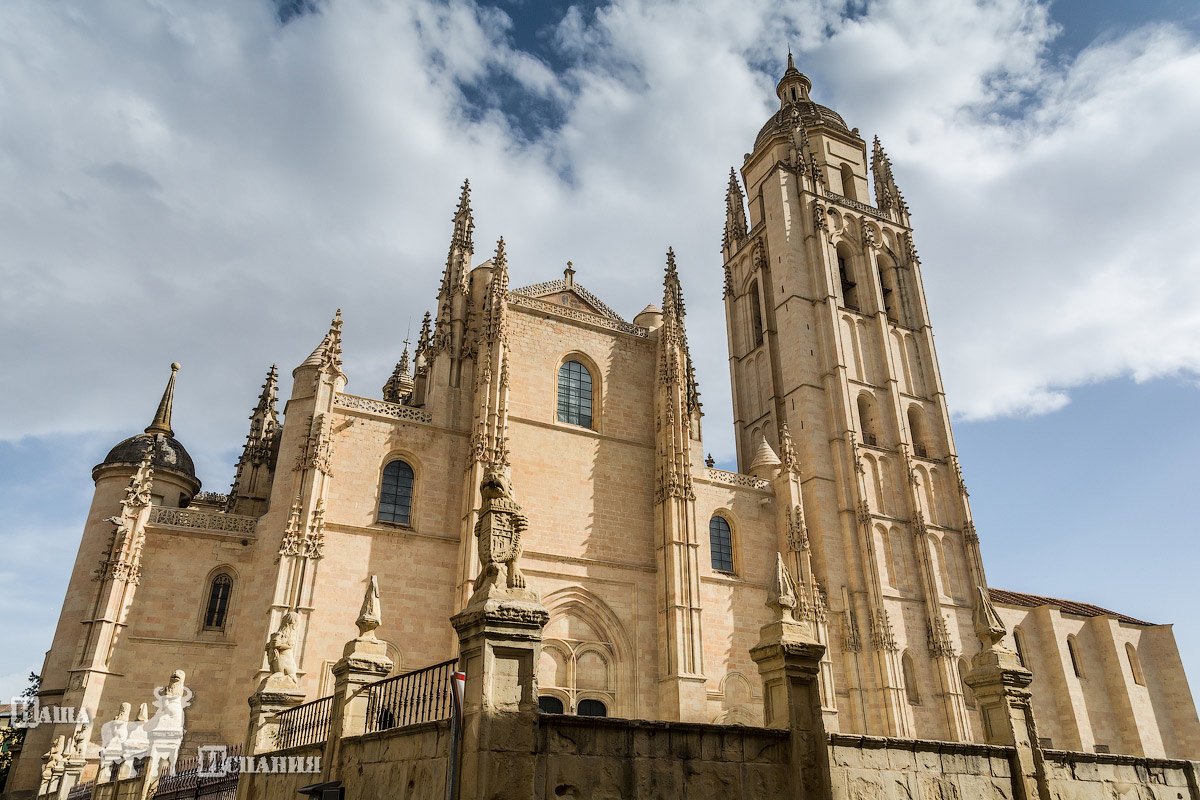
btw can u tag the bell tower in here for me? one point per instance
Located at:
(829, 334)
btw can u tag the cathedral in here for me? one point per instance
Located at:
(653, 564)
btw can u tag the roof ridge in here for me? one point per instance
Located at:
(1075, 607)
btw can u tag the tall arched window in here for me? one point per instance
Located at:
(756, 323)
(848, 182)
(1076, 663)
(218, 603)
(866, 419)
(887, 282)
(720, 542)
(910, 678)
(396, 493)
(846, 274)
(916, 429)
(575, 394)
(1135, 664)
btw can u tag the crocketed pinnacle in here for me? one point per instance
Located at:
(329, 351)
(162, 417)
(270, 390)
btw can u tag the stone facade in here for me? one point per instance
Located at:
(847, 468)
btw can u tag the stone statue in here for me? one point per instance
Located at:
(781, 596)
(279, 653)
(370, 616)
(79, 746)
(170, 700)
(498, 532)
(54, 758)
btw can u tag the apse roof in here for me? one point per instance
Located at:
(1005, 597)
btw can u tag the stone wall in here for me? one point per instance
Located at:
(1098, 776)
(277, 785)
(610, 759)
(400, 764)
(865, 767)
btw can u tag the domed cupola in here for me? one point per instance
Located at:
(795, 104)
(158, 440)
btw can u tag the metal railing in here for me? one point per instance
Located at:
(423, 695)
(871, 439)
(81, 791)
(304, 724)
(218, 782)
(920, 450)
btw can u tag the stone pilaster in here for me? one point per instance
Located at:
(1001, 687)
(788, 656)
(265, 704)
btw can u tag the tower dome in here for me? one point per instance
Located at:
(157, 441)
(794, 102)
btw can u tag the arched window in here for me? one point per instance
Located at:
(575, 394)
(550, 705)
(720, 542)
(968, 694)
(396, 493)
(887, 282)
(916, 429)
(866, 420)
(592, 708)
(1076, 663)
(848, 182)
(910, 678)
(756, 323)
(846, 274)
(1135, 664)
(1019, 642)
(218, 603)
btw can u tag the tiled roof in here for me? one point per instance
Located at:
(550, 287)
(1005, 597)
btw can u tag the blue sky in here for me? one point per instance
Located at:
(206, 183)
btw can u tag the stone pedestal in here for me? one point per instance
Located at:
(264, 705)
(72, 769)
(1000, 685)
(364, 661)
(500, 643)
(789, 662)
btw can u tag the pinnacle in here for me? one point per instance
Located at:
(162, 417)
(464, 199)
(500, 260)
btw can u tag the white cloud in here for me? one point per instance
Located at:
(197, 183)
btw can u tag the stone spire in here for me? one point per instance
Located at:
(887, 195)
(256, 468)
(765, 460)
(452, 310)
(162, 417)
(735, 215)
(424, 342)
(328, 355)
(400, 385)
(794, 86)
(674, 332)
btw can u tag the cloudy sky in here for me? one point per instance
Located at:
(207, 182)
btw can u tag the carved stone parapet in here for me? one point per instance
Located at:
(203, 520)
(738, 479)
(382, 408)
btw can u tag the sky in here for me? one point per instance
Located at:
(207, 182)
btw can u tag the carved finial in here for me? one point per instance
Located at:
(710, 461)
(569, 274)
(328, 355)
(988, 625)
(787, 450)
(781, 595)
(370, 616)
(162, 417)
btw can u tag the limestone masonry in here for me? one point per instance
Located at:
(536, 472)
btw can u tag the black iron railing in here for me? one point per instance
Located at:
(81, 791)
(214, 778)
(304, 724)
(423, 695)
